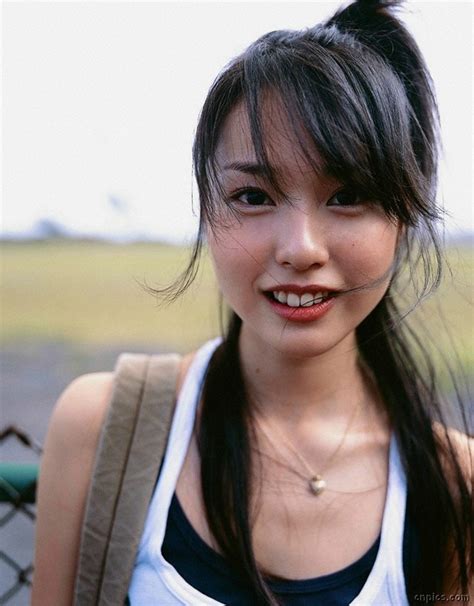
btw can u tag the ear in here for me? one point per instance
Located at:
(400, 249)
(401, 233)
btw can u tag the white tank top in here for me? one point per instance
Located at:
(156, 583)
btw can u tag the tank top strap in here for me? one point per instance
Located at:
(179, 438)
(386, 582)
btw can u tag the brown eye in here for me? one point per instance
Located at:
(251, 197)
(345, 197)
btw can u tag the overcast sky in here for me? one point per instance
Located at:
(100, 103)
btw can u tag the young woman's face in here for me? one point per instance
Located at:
(327, 241)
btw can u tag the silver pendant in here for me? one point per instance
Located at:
(317, 485)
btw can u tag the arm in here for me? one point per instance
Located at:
(65, 473)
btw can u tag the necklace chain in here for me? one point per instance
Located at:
(316, 483)
(279, 462)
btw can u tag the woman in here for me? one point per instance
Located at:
(320, 469)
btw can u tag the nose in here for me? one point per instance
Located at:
(301, 242)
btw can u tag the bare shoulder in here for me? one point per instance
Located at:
(65, 472)
(80, 409)
(77, 417)
(462, 444)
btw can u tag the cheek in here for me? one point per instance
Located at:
(241, 246)
(238, 256)
(368, 252)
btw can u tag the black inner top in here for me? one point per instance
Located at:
(209, 572)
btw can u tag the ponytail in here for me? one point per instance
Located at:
(372, 23)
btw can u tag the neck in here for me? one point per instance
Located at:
(298, 390)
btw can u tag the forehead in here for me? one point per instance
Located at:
(283, 141)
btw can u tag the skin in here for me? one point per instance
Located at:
(314, 365)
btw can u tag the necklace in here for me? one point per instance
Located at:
(316, 483)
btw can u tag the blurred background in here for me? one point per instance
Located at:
(100, 101)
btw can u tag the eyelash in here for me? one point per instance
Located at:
(255, 190)
(248, 190)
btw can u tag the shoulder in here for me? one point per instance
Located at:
(65, 472)
(80, 410)
(74, 428)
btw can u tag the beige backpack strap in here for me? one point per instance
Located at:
(131, 446)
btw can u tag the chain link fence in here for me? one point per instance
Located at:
(32, 375)
(17, 518)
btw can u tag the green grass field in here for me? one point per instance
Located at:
(87, 292)
(90, 293)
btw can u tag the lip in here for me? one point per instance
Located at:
(299, 290)
(301, 314)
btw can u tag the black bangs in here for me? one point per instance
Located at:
(346, 107)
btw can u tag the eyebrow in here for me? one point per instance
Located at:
(251, 168)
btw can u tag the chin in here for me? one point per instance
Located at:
(298, 345)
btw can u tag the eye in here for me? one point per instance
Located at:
(251, 196)
(345, 197)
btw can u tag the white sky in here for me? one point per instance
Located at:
(101, 99)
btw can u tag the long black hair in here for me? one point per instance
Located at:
(358, 86)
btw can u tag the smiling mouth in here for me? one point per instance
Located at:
(316, 299)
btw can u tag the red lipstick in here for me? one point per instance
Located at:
(300, 314)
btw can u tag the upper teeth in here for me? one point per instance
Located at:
(305, 300)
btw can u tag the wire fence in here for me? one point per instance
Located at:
(17, 507)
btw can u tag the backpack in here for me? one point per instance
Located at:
(131, 447)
